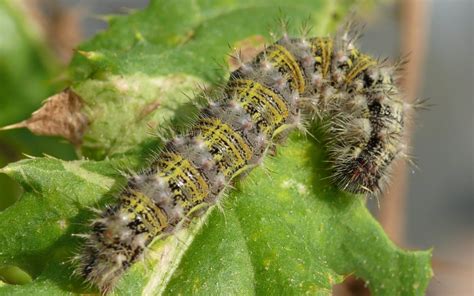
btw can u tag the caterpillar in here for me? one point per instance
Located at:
(289, 83)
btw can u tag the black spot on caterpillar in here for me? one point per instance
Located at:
(352, 94)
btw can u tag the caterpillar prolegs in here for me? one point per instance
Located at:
(353, 95)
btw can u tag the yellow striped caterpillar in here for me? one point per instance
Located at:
(352, 94)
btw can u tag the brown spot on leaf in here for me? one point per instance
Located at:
(60, 115)
(245, 51)
(149, 108)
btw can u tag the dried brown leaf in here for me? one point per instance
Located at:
(60, 115)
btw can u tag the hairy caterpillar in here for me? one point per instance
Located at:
(352, 94)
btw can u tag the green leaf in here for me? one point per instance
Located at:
(24, 60)
(158, 56)
(284, 230)
(300, 235)
(26, 69)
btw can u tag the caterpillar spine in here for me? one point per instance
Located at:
(352, 94)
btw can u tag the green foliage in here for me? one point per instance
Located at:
(284, 230)
(24, 60)
(157, 55)
(26, 70)
(287, 231)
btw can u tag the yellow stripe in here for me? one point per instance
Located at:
(193, 173)
(175, 167)
(153, 217)
(324, 57)
(281, 58)
(252, 93)
(226, 129)
(256, 95)
(361, 63)
(215, 131)
(326, 47)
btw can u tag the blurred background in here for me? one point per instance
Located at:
(431, 206)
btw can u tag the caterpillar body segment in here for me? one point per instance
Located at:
(365, 122)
